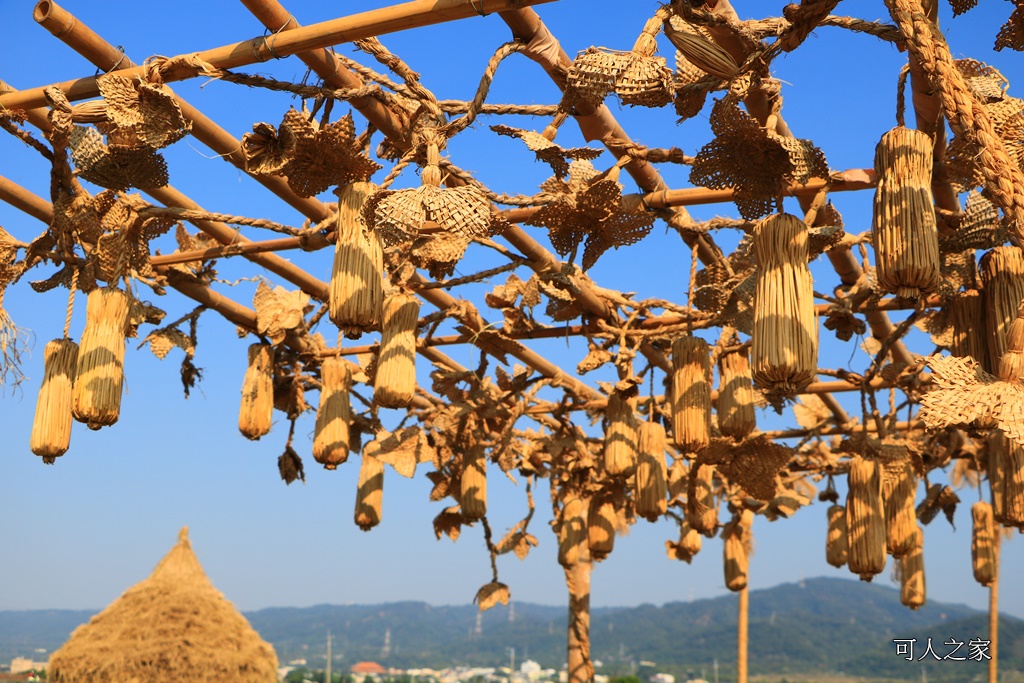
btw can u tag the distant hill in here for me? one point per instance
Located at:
(822, 625)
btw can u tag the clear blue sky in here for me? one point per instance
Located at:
(77, 534)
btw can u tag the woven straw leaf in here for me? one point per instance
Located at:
(448, 523)
(266, 149)
(752, 465)
(324, 156)
(290, 466)
(961, 6)
(592, 76)
(506, 295)
(938, 498)
(593, 360)
(547, 151)
(490, 595)
(646, 82)
(116, 169)
(785, 504)
(61, 278)
(141, 114)
(840, 319)
(618, 230)
(402, 450)
(278, 311)
(811, 411)
(442, 482)
(142, 313)
(162, 340)
(1011, 34)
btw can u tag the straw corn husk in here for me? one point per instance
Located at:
(370, 493)
(651, 499)
(736, 416)
(395, 384)
(967, 328)
(784, 352)
(691, 540)
(995, 468)
(620, 436)
(912, 585)
(99, 375)
(738, 537)
(572, 532)
(1002, 275)
(51, 428)
(983, 543)
(836, 545)
(691, 393)
(865, 519)
(331, 438)
(701, 51)
(898, 487)
(1013, 484)
(356, 291)
(702, 506)
(257, 409)
(601, 524)
(473, 498)
(904, 233)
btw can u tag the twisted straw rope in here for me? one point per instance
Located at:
(805, 19)
(193, 215)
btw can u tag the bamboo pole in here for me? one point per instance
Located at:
(742, 629)
(262, 48)
(577, 579)
(993, 608)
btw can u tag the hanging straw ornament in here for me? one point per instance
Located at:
(865, 519)
(257, 409)
(698, 49)
(1011, 34)
(996, 446)
(620, 437)
(701, 502)
(99, 375)
(601, 522)
(1013, 484)
(736, 417)
(651, 499)
(898, 487)
(912, 585)
(983, 543)
(904, 233)
(370, 492)
(356, 290)
(572, 531)
(395, 383)
(473, 498)
(542, 144)
(691, 393)
(784, 354)
(836, 544)
(689, 544)
(738, 540)
(967, 327)
(332, 436)
(1002, 277)
(51, 426)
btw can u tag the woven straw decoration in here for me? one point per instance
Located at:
(691, 393)
(736, 417)
(738, 537)
(572, 532)
(912, 588)
(51, 428)
(331, 438)
(836, 544)
(646, 80)
(1002, 275)
(702, 506)
(904, 233)
(546, 150)
(620, 437)
(356, 292)
(784, 354)
(983, 543)
(691, 540)
(116, 168)
(898, 488)
(995, 469)
(140, 114)
(473, 498)
(1011, 34)
(967, 318)
(370, 494)
(395, 383)
(99, 375)
(257, 409)
(601, 528)
(865, 519)
(651, 472)
(700, 50)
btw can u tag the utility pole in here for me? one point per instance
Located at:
(327, 671)
(511, 664)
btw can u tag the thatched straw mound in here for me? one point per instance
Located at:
(174, 627)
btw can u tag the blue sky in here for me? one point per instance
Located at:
(77, 534)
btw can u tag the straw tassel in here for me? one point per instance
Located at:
(51, 428)
(904, 233)
(99, 375)
(702, 508)
(356, 292)
(1002, 275)
(983, 543)
(331, 438)
(395, 385)
(898, 487)
(1013, 484)
(601, 528)
(572, 532)
(691, 393)
(836, 544)
(474, 483)
(651, 473)
(257, 409)
(620, 437)
(370, 493)
(784, 350)
(738, 538)
(912, 586)
(967, 315)
(736, 417)
(865, 519)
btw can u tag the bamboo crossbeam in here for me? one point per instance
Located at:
(20, 198)
(833, 431)
(263, 48)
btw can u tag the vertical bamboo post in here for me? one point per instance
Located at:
(741, 635)
(577, 578)
(993, 610)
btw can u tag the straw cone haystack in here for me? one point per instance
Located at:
(171, 628)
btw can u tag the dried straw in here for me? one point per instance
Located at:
(356, 292)
(100, 371)
(898, 487)
(331, 438)
(967, 318)
(1013, 484)
(702, 506)
(912, 588)
(865, 519)
(997, 449)
(651, 499)
(257, 409)
(983, 543)
(620, 437)
(836, 545)
(738, 538)
(395, 385)
(572, 532)
(473, 498)
(601, 528)
(736, 417)
(370, 494)
(51, 428)
(691, 393)
(1002, 275)
(700, 51)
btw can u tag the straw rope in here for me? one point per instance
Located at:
(25, 136)
(805, 19)
(73, 287)
(196, 215)
(505, 50)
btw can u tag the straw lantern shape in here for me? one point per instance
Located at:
(651, 499)
(904, 232)
(620, 437)
(738, 537)
(601, 523)
(99, 376)
(51, 428)
(395, 384)
(784, 352)
(1002, 275)
(357, 290)
(370, 493)
(691, 393)
(172, 627)
(474, 483)
(898, 487)
(331, 437)
(865, 519)
(572, 532)
(736, 417)
(257, 409)
(967, 327)
(983, 543)
(702, 508)
(836, 547)
(912, 588)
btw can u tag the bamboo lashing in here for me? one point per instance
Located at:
(357, 291)
(620, 437)
(865, 519)
(836, 544)
(572, 531)
(370, 492)
(691, 393)
(331, 438)
(651, 494)
(395, 385)
(736, 416)
(473, 498)
(898, 487)
(51, 427)
(1002, 276)
(601, 522)
(257, 409)
(912, 583)
(99, 375)
(738, 544)
(983, 540)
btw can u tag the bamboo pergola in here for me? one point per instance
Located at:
(747, 336)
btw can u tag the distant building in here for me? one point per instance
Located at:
(21, 665)
(364, 668)
(529, 667)
(662, 678)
